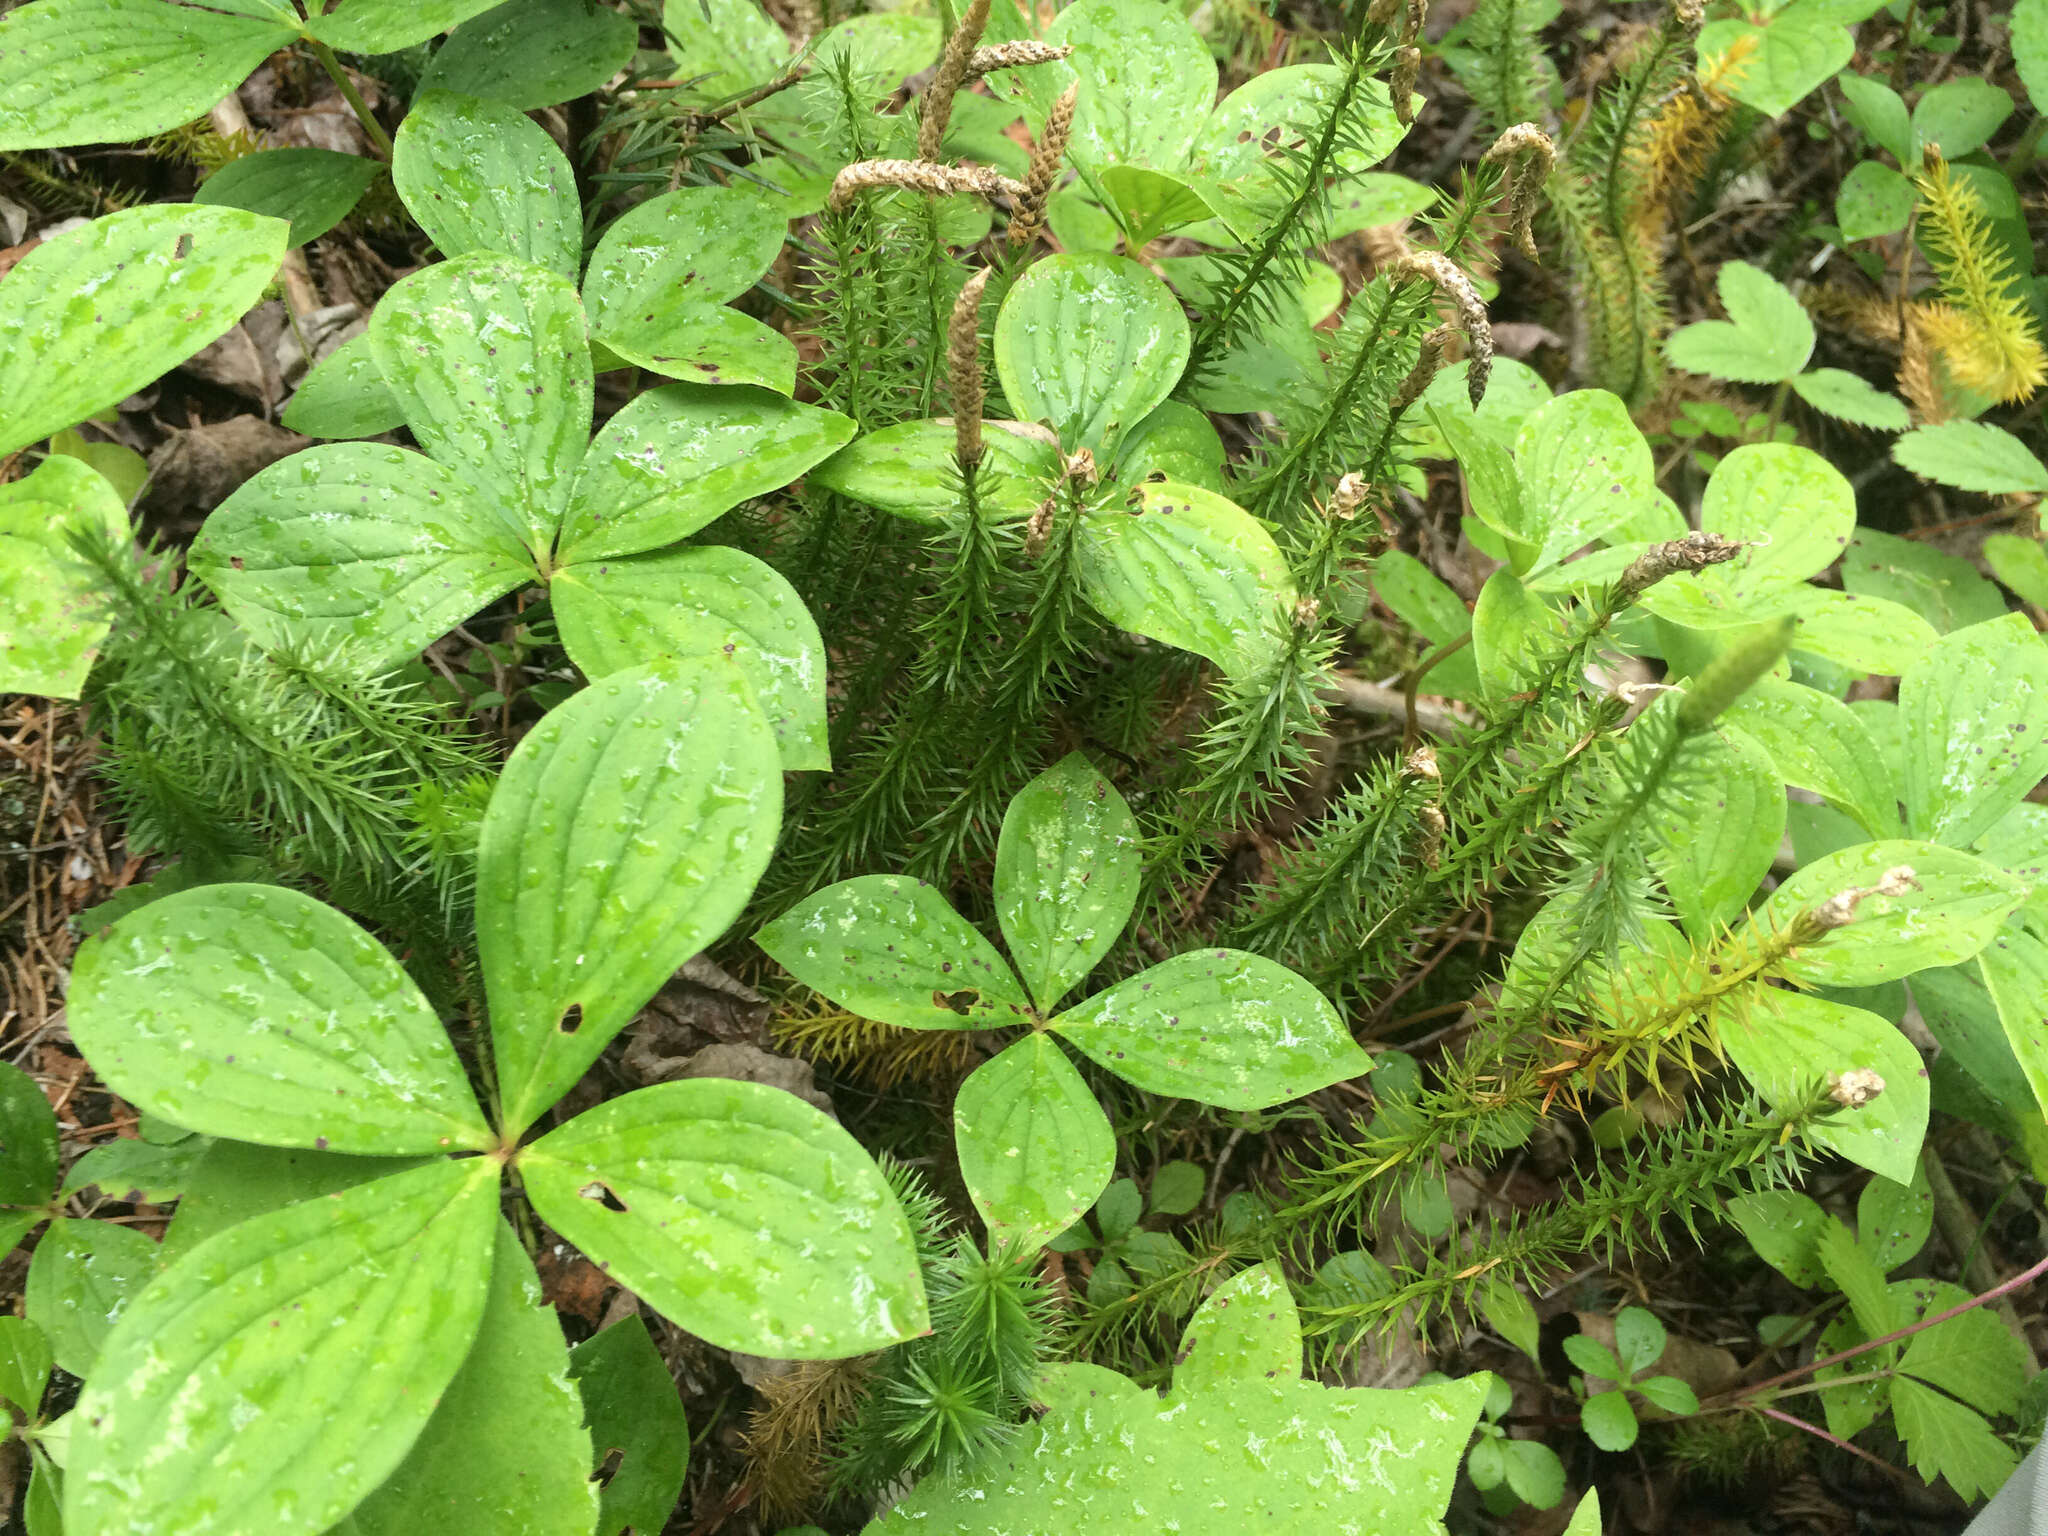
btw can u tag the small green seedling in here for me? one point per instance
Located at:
(1607, 1415)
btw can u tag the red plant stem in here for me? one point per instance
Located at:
(1832, 1439)
(2024, 1277)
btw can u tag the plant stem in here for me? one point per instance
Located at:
(379, 139)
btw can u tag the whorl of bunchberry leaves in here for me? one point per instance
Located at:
(963, 370)
(1528, 153)
(1401, 83)
(919, 176)
(1017, 55)
(1436, 268)
(1427, 362)
(1717, 685)
(1046, 159)
(1693, 553)
(937, 108)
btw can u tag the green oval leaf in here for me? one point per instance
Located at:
(1584, 470)
(680, 455)
(1218, 1026)
(1067, 872)
(635, 1416)
(704, 601)
(1873, 200)
(738, 1212)
(530, 54)
(910, 469)
(24, 1365)
(487, 357)
(1960, 902)
(91, 316)
(1788, 1043)
(722, 46)
(1089, 345)
(1975, 716)
(1192, 569)
(256, 1012)
(28, 1147)
(1147, 81)
(386, 26)
(889, 948)
(1248, 1331)
(344, 395)
(82, 1278)
(102, 71)
(1818, 743)
(366, 551)
(310, 189)
(626, 833)
(481, 177)
(52, 605)
(281, 1370)
(1247, 155)
(1035, 1148)
(506, 1453)
(1852, 398)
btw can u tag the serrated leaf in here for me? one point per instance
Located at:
(479, 177)
(531, 54)
(1609, 1421)
(82, 1278)
(487, 357)
(506, 1453)
(635, 1414)
(1279, 1456)
(626, 833)
(1956, 907)
(680, 455)
(256, 1012)
(387, 26)
(368, 552)
(1067, 872)
(1766, 338)
(1818, 743)
(1972, 456)
(1246, 1331)
(1785, 1228)
(661, 274)
(740, 1213)
(310, 189)
(1218, 1026)
(1849, 1408)
(703, 601)
(281, 1370)
(28, 1144)
(909, 469)
(1189, 568)
(1852, 398)
(103, 71)
(53, 608)
(1974, 1355)
(1035, 1148)
(1975, 713)
(344, 395)
(1944, 1439)
(1872, 200)
(92, 315)
(25, 1362)
(1788, 1044)
(889, 948)
(1089, 344)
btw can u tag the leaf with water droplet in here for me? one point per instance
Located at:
(1035, 1148)
(531, 54)
(479, 176)
(282, 1369)
(704, 600)
(638, 1432)
(910, 469)
(1067, 872)
(81, 1279)
(627, 831)
(256, 1012)
(740, 1213)
(1246, 1331)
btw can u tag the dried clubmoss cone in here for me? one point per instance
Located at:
(963, 370)
(947, 79)
(1018, 55)
(1529, 155)
(1445, 275)
(1401, 83)
(1695, 552)
(919, 176)
(1039, 180)
(1427, 362)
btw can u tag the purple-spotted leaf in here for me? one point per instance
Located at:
(1035, 1148)
(478, 176)
(740, 1213)
(889, 948)
(1219, 1026)
(627, 831)
(284, 1368)
(1975, 709)
(1247, 1331)
(256, 1012)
